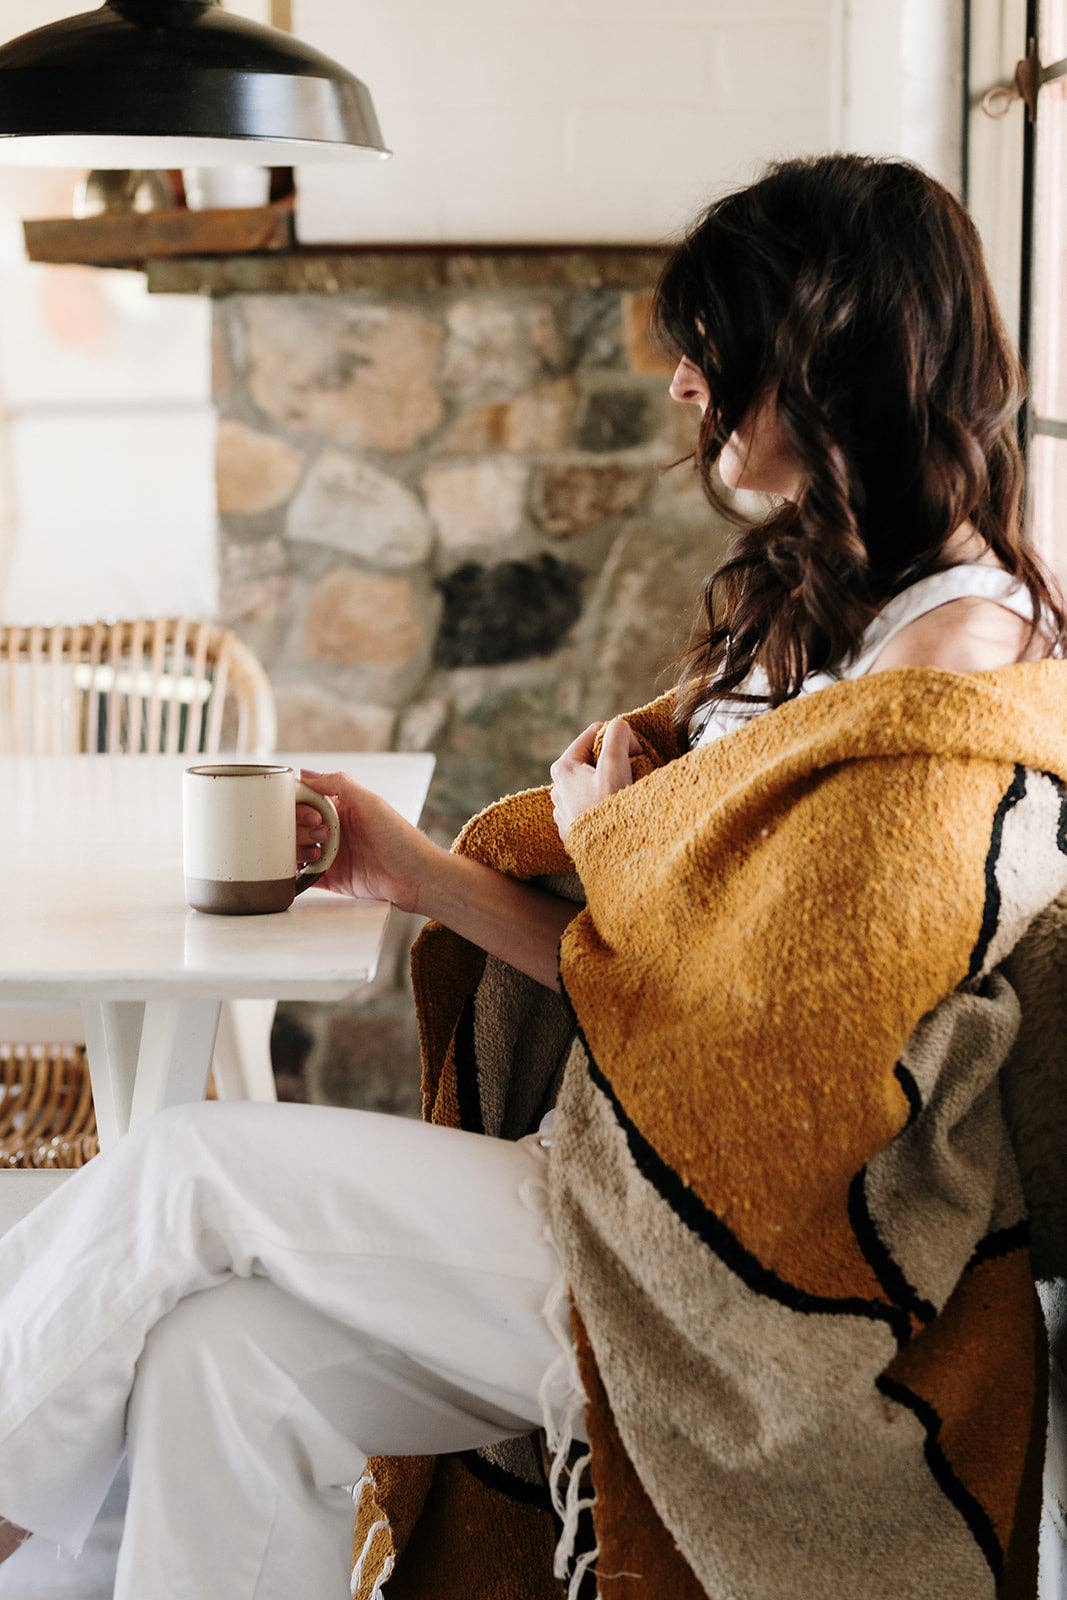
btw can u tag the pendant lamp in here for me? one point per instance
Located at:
(175, 83)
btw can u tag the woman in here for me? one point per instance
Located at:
(835, 326)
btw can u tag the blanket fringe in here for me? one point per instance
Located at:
(367, 1482)
(562, 1401)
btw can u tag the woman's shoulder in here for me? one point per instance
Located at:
(970, 633)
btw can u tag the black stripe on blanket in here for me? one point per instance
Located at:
(711, 1229)
(506, 1483)
(991, 910)
(465, 1056)
(888, 1272)
(1061, 789)
(971, 1510)
(911, 1091)
(494, 1477)
(1001, 1242)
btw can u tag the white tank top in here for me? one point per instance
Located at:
(969, 578)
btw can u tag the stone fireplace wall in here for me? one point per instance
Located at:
(447, 523)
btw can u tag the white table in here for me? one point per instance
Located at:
(94, 915)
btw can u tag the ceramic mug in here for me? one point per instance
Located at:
(239, 835)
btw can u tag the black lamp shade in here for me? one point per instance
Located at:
(169, 83)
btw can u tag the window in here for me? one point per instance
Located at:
(1015, 185)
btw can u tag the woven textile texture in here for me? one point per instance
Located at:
(802, 1177)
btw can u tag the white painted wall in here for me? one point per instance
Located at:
(108, 437)
(107, 496)
(512, 120)
(563, 120)
(903, 82)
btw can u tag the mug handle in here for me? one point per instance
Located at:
(328, 812)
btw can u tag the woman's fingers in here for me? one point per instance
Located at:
(310, 829)
(580, 750)
(324, 782)
(614, 763)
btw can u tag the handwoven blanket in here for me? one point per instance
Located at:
(799, 1154)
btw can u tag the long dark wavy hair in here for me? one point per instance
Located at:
(856, 287)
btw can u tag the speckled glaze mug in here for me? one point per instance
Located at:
(239, 836)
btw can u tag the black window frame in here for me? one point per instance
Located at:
(1030, 423)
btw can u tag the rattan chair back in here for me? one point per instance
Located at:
(154, 686)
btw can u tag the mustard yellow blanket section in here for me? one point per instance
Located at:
(780, 910)
(776, 929)
(783, 1186)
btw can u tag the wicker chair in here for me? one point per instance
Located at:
(153, 686)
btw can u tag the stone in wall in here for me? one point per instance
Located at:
(360, 375)
(478, 502)
(497, 345)
(639, 616)
(310, 718)
(574, 497)
(594, 324)
(254, 471)
(540, 419)
(505, 733)
(223, 382)
(363, 619)
(255, 592)
(422, 724)
(678, 497)
(617, 419)
(350, 505)
(642, 354)
(507, 612)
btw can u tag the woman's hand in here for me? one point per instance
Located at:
(578, 783)
(381, 856)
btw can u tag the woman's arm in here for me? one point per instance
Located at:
(515, 921)
(383, 857)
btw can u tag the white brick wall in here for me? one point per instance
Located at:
(564, 120)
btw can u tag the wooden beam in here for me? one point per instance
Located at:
(130, 238)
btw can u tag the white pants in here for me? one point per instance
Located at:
(249, 1299)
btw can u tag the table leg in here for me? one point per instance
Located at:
(242, 1061)
(174, 1060)
(113, 1031)
(144, 1055)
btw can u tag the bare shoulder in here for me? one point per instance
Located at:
(968, 634)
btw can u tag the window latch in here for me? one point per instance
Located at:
(1027, 80)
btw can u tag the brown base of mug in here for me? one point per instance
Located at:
(240, 899)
